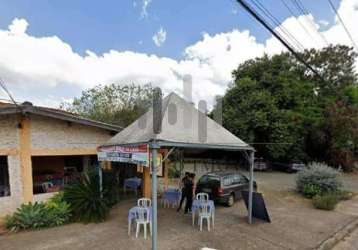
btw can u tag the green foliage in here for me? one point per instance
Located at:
(342, 122)
(113, 103)
(58, 210)
(293, 115)
(87, 202)
(28, 216)
(311, 190)
(110, 185)
(39, 215)
(327, 201)
(318, 177)
(173, 172)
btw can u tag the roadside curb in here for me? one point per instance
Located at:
(338, 236)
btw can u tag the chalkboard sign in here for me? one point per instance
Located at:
(259, 210)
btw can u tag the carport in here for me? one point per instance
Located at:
(183, 128)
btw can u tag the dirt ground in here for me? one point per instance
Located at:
(295, 225)
(348, 243)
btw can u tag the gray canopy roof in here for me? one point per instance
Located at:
(180, 128)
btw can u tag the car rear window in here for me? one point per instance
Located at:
(209, 179)
(234, 179)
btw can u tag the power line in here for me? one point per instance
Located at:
(304, 12)
(3, 86)
(278, 25)
(299, 21)
(252, 12)
(344, 26)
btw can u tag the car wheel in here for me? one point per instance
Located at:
(231, 200)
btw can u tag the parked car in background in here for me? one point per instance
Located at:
(291, 167)
(261, 165)
(224, 186)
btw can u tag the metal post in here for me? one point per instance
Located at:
(252, 155)
(181, 163)
(100, 176)
(154, 147)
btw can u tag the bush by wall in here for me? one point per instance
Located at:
(87, 202)
(318, 178)
(39, 215)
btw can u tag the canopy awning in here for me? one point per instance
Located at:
(183, 126)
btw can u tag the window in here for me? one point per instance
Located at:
(236, 179)
(207, 179)
(228, 180)
(4, 177)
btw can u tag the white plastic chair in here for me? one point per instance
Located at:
(202, 197)
(204, 213)
(144, 202)
(46, 186)
(143, 218)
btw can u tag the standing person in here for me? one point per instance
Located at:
(190, 192)
(183, 191)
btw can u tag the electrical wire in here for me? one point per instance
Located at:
(299, 21)
(262, 21)
(278, 25)
(3, 86)
(304, 12)
(344, 26)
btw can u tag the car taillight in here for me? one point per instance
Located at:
(220, 191)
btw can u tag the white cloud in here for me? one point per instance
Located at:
(145, 5)
(46, 70)
(18, 26)
(323, 23)
(160, 37)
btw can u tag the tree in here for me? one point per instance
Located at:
(114, 103)
(288, 113)
(264, 106)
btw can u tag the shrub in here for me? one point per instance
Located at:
(311, 190)
(39, 215)
(110, 185)
(326, 201)
(319, 175)
(32, 215)
(58, 210)
(86, 201)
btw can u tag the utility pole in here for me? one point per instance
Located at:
(251, 185)
(154, 146)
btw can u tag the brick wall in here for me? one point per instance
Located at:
(46, 133)
(9, 139)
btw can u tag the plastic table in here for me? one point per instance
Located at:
(132, 183)
(171, 196)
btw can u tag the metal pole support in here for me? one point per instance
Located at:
(100, 182)
(251, 187)
(154, 147)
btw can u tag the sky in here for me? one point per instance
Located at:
(50, 51)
